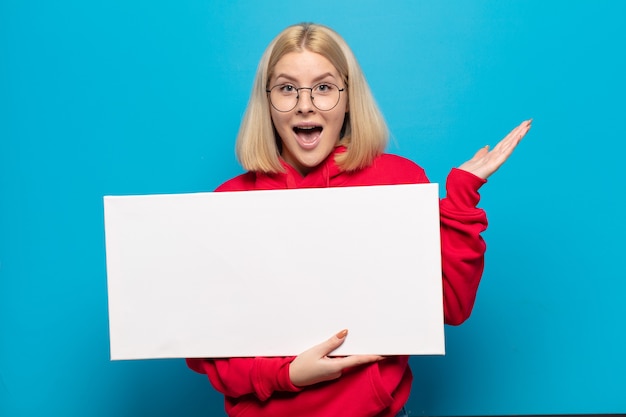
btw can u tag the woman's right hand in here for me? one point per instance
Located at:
(313, 365)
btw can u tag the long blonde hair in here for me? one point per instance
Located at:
(364, 132)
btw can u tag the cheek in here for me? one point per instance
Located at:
(279, 122)
(339, 120)
(274, 118)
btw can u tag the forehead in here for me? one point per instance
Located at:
(304, 66)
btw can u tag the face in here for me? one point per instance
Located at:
(308, 134)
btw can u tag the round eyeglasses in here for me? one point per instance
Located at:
(324, 96)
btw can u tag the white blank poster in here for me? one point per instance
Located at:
(272, 273)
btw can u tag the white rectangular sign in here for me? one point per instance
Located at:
(272, 273)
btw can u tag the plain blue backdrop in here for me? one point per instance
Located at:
(137, 97)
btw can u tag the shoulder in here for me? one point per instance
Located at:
(243, 182)
(392, 161)
(397, 169)
(386, 169)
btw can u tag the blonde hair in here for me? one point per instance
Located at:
(364, 132)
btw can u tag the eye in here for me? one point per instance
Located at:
(287, 89)
(324, 88)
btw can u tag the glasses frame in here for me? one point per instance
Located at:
(269, 91)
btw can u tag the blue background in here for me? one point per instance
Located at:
(135, 97)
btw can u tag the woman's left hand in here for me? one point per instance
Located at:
(486, 162)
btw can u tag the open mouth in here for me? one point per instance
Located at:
(308, 134)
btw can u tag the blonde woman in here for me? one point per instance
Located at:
(312, 122)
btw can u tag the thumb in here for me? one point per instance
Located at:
(481, 152)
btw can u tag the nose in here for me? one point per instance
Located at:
(305, 104)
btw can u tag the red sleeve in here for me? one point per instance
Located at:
(236, 377)
(462, 247)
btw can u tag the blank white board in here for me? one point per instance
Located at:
(272, 273)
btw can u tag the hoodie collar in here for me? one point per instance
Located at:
(319, 177)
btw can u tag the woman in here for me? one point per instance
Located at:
(312, 122)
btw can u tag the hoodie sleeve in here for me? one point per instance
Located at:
(463, 248)
(236, 377)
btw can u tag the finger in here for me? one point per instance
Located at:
(519, 130)
(503, 150)
(506, 145)
(355, 360)
(513, 136)
(522, 129)
(331, 344)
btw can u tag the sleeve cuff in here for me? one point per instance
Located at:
(272, 374)
(462, 188)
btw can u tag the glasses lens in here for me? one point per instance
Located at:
(325, 96)
(284, 97)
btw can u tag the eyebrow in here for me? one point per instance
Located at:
(315, 80)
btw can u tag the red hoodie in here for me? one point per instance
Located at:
(261, 387)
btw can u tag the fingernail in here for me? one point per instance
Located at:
(342, 334)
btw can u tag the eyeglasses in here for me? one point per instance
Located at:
(324, 96)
